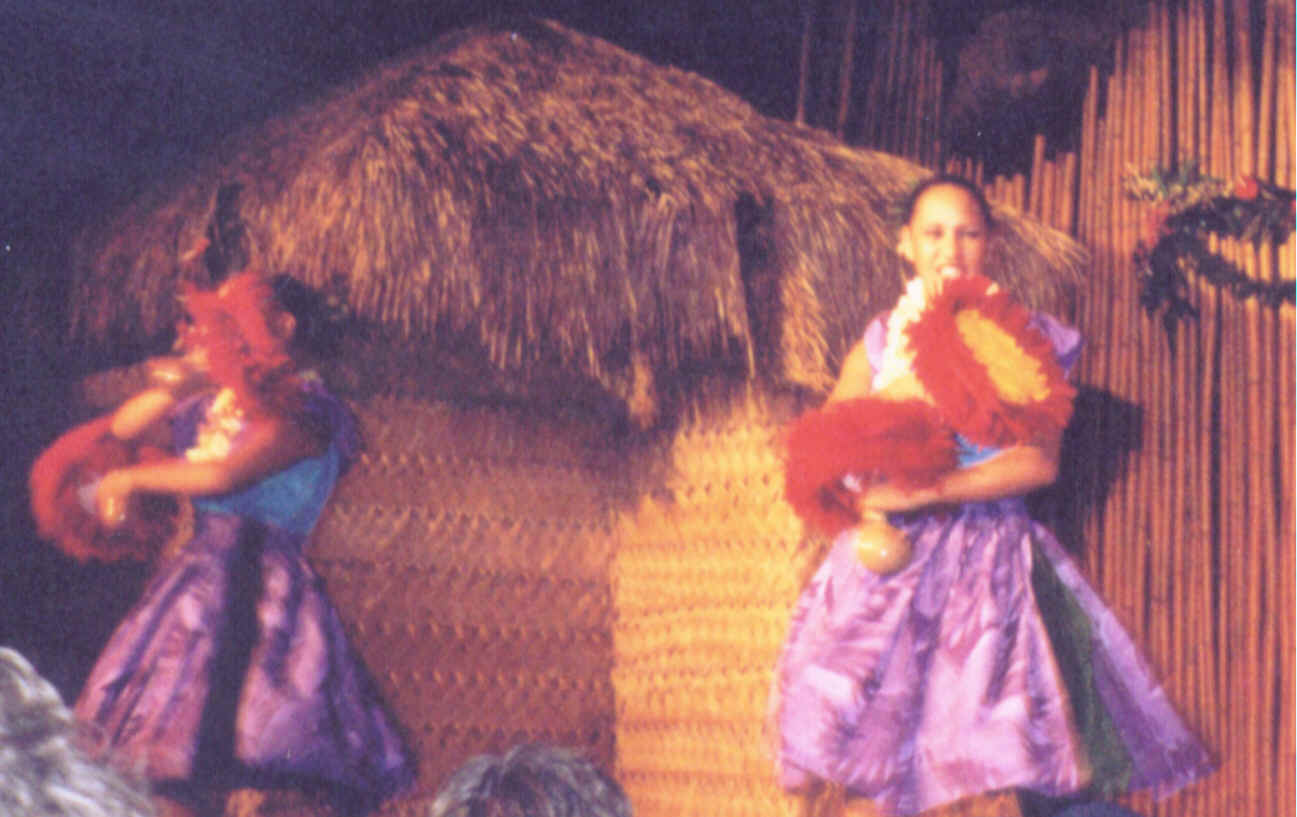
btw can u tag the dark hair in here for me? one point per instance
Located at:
(530, 781)
(229, 247)
(911, 200)
(320, 323)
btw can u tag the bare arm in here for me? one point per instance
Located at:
(854, 379)
(176, 378)
(268, 445)
(139, 413)
(1014, 471)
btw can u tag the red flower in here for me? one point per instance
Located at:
(1247, 188)
(1155, 223)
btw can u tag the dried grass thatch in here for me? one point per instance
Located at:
(551, 210)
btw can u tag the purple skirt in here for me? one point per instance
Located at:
(945, 680)
(233, 670)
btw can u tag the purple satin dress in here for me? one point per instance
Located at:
(945, 680)
(233, 669)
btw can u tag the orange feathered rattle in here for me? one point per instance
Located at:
(62, 485)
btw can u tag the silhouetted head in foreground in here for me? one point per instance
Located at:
(530, 781)
(43, 772)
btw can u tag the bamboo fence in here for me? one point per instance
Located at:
(1194, 545)
(904, 89)
(1191, 538)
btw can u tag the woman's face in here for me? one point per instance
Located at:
(946, 231)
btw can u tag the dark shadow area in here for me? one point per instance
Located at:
(54, 610)
(1097, 448)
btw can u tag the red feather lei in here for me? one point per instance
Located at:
(993, 376)
(73, 463)
(902, 441)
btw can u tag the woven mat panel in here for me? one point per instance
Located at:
(705, 579)
(469, 553)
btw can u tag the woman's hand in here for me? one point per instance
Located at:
(113, 496)
(886, 497)
(266, 445)
(1015, 471)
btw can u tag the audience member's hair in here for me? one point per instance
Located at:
(530, 781)
(43, 772)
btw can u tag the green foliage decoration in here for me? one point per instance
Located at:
(1187, 207)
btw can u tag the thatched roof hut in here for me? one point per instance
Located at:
(550, 206)
(528, 218)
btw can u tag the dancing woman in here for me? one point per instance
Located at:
(232, 672)
(982, 660)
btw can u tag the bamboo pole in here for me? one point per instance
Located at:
(847, 67)
(939, 147)
(1037, 161)
(1210, 694)
(869, 126)
(804, 60)
(1164, 553)
(1085, 223)
(1285, 137)
(1136, 510)
(1224, 529)
(1245, 136)
(930, 94)
(917, 135)
(1285, 92)
(1268, 124)
(888, 126)
(906, 91)
(1261, 734)
(1164, 98)
(1275, 489)
(1106, 553)
(935, 87)
(1121, 557)
(914, 135)
(1183, 84)
(1181, 619)
(1039, 186)
(1239, 495)
(1145, 391)
(1067, 212)
(1199, 69)
(1089, 154)
(1050, 195)
(1287, 415)
(1236, 494)
(903, 93)
(1185, 617)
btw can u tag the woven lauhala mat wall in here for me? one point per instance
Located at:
(705, 577)
(469, 553)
